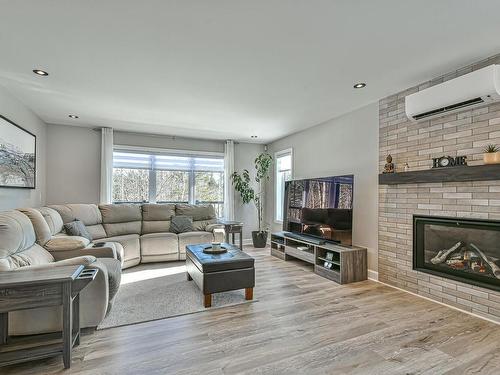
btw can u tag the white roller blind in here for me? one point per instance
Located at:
(124, 159)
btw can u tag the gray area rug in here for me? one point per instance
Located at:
(158, 291)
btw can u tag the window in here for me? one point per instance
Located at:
(283, 168)
(163, 177)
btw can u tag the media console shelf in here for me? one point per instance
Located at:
(347, 264)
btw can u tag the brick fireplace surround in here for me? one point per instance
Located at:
(465, 133)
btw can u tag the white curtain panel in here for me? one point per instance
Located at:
(106, 166)
(228, 186)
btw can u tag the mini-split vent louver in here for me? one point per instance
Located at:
(471, 90)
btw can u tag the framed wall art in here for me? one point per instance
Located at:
(17, 156)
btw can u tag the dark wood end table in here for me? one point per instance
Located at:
(233, 227)
(56, 286)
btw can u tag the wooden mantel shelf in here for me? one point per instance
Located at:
(450, 174)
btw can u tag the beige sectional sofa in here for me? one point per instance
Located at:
(34, 238)
(143, 230)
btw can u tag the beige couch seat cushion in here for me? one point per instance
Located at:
(62, 242)
(159, 244)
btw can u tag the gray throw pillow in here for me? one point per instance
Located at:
(77, 228)
(181, 224)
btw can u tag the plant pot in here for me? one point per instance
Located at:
(259, 238)
(491, 157)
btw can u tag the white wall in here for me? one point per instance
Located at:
(16, 112)
(244, 156)
(345, 145)
(73, 160)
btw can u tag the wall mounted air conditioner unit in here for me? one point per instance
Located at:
(471, 90)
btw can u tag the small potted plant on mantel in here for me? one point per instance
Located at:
(491, 154)
(241, 183)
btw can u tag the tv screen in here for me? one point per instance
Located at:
(320, 207)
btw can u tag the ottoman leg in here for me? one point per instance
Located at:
(188, 276)
(248, 293)
(208, 300)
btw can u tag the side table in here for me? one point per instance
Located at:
(233, 227)
(56, 286)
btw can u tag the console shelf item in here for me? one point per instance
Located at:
(342, 264)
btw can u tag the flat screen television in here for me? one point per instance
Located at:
(320, 207)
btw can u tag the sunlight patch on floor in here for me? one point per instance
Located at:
(133, 277)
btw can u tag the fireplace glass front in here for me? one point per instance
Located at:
(466, 250)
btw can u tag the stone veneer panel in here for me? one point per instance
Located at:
(464, 133)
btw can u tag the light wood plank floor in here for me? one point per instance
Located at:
(302, 324)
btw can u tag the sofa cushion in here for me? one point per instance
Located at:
(76, 228)
(121, 219)
(156, 217)
(60, 243)
(53, 219)
(181, 224)
(16, 233)
(131, 248)
(88, 214)
(203, 224)
(159, 244)
(196, 211)
(40, 226)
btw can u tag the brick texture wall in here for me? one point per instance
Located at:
(465, 133)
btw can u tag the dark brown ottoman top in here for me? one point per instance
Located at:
(233, 259)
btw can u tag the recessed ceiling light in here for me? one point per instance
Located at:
(253, 136)
(73, 116)
(359, 85)
(40, 72)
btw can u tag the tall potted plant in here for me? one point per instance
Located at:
(242, 185)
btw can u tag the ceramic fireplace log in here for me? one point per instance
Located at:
(494, 268)
(443, 254)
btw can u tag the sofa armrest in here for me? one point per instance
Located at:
(98, 252)
(212, 227)
(76, 261)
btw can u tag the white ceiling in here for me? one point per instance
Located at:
(230, 69)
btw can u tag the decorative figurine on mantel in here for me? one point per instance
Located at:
(389, 165)
(406, 167)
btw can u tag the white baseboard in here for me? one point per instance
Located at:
(373, 275)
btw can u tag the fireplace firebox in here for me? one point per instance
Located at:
(466, 250)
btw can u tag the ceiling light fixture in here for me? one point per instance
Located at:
(40, 72)
(359, 85)
(253, 136)
(73, 116)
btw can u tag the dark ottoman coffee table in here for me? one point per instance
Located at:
(215, 273)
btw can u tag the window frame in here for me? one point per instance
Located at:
(163, 151)
(277, 155)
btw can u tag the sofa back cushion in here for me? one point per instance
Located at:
(156, 217)
(88, 214)
(17, 242)
(198, 212)
(40, 226)
(121, 219)
(53, 219)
